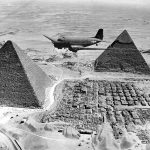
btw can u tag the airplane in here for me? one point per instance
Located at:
(75, 43)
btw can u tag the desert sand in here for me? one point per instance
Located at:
(24, 23)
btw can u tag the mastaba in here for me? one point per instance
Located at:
(22, 82)
(122, 56)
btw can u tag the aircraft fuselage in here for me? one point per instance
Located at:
(75, 43)
(68, 42)
(81, 41)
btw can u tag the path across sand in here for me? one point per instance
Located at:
(50, 96)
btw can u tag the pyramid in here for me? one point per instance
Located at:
(22, 82)
(122, 56)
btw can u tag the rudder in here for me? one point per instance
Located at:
(99, 34)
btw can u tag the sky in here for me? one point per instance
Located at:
(128, 2)
(115, 2)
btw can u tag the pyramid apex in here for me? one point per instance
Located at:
(10, 46)
(125, 30)
(8, 43)
(124, 37)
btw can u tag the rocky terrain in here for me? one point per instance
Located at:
(87, 101)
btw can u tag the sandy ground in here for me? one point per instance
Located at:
(30, 130)
(43, 139)
(25, 22)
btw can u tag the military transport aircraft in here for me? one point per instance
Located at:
(75, 43)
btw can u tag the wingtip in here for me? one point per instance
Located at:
(47, 37)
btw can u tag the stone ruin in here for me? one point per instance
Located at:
(122, 56)
(22, 82)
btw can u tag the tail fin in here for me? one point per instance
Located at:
(99, 34)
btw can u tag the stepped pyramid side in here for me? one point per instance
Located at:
(22, 82)
(122, 56)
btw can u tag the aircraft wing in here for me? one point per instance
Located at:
(86, 48)
(92, 48)
(76, 46)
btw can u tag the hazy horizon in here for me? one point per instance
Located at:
(134, 3)
(25, 21)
